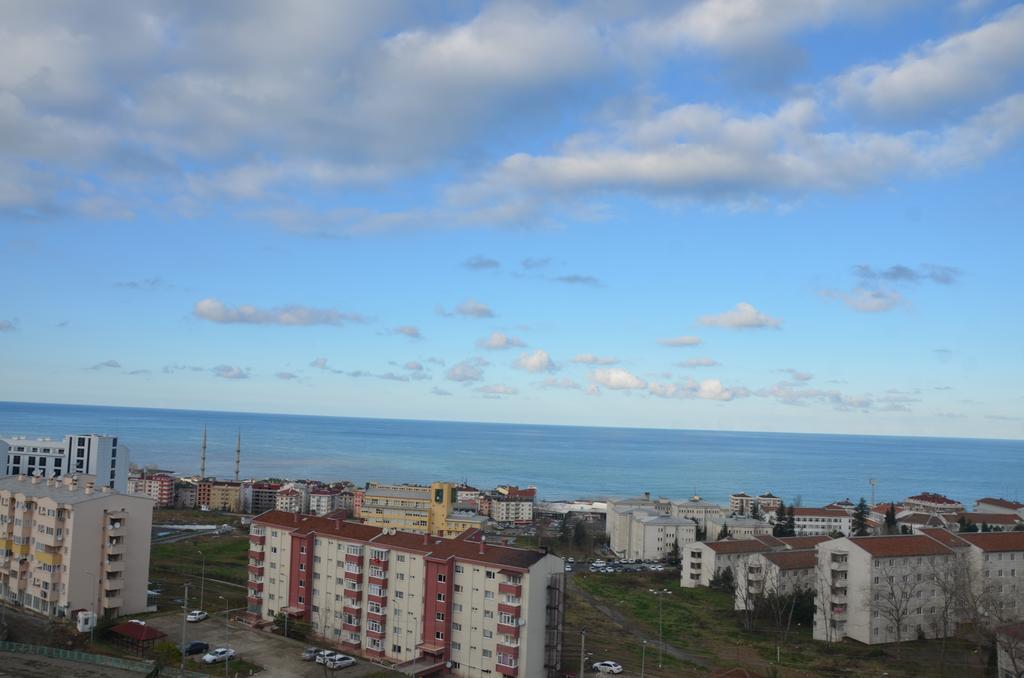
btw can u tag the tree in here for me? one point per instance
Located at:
(565, 535)
(890, 520)
(579, 535)
(166, 654)
(673, 554)
(861, 513)
(894, 597)
(724, 532)
(724, 580)
(755, 510)
(702, 532)
(779, 528)
(964, 526)
(826, 588)
(791, 521)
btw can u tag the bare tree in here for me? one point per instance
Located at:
(1010, 644)
(779, 604)
(824, 587)
(947, 575)
(750, 591)
(893, 598)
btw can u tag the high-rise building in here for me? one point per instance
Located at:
(82, 454)
(66, 545)
(477, 609)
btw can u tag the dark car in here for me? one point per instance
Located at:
(197, 647)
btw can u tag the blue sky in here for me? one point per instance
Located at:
(756, 215)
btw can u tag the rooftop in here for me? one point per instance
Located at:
(797, 543)
(406, 493)
(793, 560)
(996, 541)
(60, 491)
(809, 512)
(933, 498)
(990, 518)
(900, 546)
(730, 546)
(1004, 503)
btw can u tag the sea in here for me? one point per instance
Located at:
(563, 462)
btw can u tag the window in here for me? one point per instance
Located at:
(439, 616)
(488, 634)
(438, 635)
(458, 588)
(440, 597)
(489, 594)
(459, 569)
(485, 653)
(491, 574)
(400, 557)
(441, 578)
(399, 594)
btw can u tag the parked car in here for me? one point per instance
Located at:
(195, 647)
(607, 667)
(323, 656)
(568, 568)
(196, 616)
(221, 654)
(340, 661)
(309, 654)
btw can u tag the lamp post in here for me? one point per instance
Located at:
(184, 625)
(92, 607)
(226, 632)
(202, 582)
(661, 630)
(643, 659)
(583, 647)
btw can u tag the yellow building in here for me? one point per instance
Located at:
(219, 495)
(416, 508)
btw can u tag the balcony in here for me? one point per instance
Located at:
(839, 565)
(353, 576)
(19, 550)
(114, 565)
(507, 670)
(353, 558)
(510, 650)
(381, 600)
(113, 584)
(509, 629)
(371, 652)
(256, 586)
(379, 581)
(256, 555)
(379, 635)
(255, 601)
(111, 602)
(352, 607)
(351, 626)
(354, 594)
(49, 557)
(257, 539)
(380, 617)
(509, 608)
(116, 529)
(256, 570)
(382, 564)
(511, 589)
(115, 548)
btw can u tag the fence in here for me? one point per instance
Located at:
(97, 659)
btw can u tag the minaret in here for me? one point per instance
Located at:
(238, 454)
(202, 457)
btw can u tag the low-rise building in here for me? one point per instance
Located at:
(738, 527)
(259, 496)
(998, 505)
(741, 503)
(703, 561)
(291, 500)
(774, 573)
(932, 502)
(415, 508)
(157, 486)
(511, 510)
(67, 545)
(998, 522)
(814, 521)
(462, 604)
(698, 510)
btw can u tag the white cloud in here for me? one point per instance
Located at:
(497, 389)
(699, 362)
(286, 376)
(467, 370)
(499, 341)
(440, 391)
(940, 76)
(106, 363)
(537, 361)
(564, 382)
(413, 366)
(744, 316)
(797, 374)
(293, 315)
(230, 372)
(684, 340)
(591, 359)
(481, 263)
(789, 394)
(708, 389)
(408, 331)
(617, 378)
(319, 363)
(470, 308)
(867, 300)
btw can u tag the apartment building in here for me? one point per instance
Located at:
(67, 545)
(157, 486)
(323, 500)
(259, 497)
(815, 521)
(741, 503)
(931, 502)
(415, 508)
(458, 605)
(701, 561)
(511, 509)
(82, 454)
(739, 527)
(219, 495)
(998, 505)
(778, 573)
(700, 511)
(186, 494)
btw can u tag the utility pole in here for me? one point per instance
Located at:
(202, 583)
(202, 457)
(874, 484)
(643, 650)
(661, 629)
(583, 648)
(184, 625)
(238, 454)
(226, 632)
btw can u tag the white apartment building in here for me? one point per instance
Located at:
(646, 529)
(655, 536)
(512, 510)
(291, 500)
(997, 505)
(475, 608)
(701, 561)
(323, 501)
(700, 511)
(739, 527)
(68, 546)
(81, 454)
(774, 573)
(810, 521)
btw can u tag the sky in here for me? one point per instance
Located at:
(773, 215)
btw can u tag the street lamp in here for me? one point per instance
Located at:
(202, 582)
(661, 631)
(643, 658)
(226, 631)
(92, 607)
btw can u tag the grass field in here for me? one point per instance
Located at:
(175, 516)
(173, 564)
(702, 621)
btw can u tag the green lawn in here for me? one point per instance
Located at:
(175, 516)
(171, 565)
(702, 621)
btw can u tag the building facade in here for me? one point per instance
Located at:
(219, 495)
(815, 521)
(774, 573)
(415, 508)
(67, 545)
(478, 609)
(511, 510)
(323, 501)
(702, 561)
(83, 454)
(159, 487)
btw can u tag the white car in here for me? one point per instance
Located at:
(196, 616)
(340, 661)
(324, 656)
(221, 654)
(607, 667)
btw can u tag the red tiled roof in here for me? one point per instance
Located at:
(932, 498)
(798, 543)
(808, 512)
(900, 546)
(999, 501)
(919, 518)
(991, 518)
(769, 540)
(944, 536)
(727, 546)
(996, 541)
(793, 560)
(139, 632)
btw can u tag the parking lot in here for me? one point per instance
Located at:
(278, 656)
(612, 566)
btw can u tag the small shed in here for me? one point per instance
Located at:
(136, 638)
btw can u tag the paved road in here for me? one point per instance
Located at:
(278, 656)
(626, 625)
